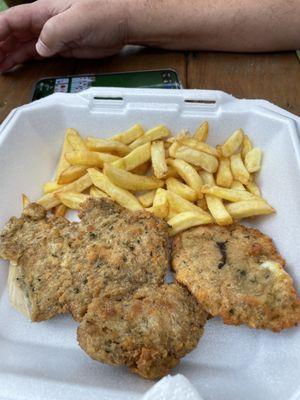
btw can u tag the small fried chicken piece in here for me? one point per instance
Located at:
(60, 265)
(236, 273)
(34, 244)
(149, 332)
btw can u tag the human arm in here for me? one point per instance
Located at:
(99, 28)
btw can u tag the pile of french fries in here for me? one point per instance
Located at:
(181, 179)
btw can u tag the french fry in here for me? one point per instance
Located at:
(172, 149)
(119, 195)
(253, 188)
(224, 176)
(141, 169)
(51, 186)
(107, 146)
(156, 133)
(146, 199)
(245, 209)
(188, 174)
(158, 159)
(171, 213)
(247, 146)
(95, 192)
(202, 204)
(63, 163)
(183, 134)
(130, 181)
(253, 160)
(233, 143)
(238, 169)
(179, 204)
(135, 158)
(71, 173)
(49, 200)
(76, 140)
(218, 211)
(201, 146)
(60, 210)
(236, 185)
(228, 194)
(186, 220)
(130, 135)
(89, 158)
(72, 200)
(181, 189)
(160, 206)
(199, 158)
(25, 200)
(207, 178)
(214, 204)
(171, 173)
(201, 132)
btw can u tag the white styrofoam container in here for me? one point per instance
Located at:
(43, 361)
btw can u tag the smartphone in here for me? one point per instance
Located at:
(159, 79)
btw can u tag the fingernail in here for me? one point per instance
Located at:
(42, 49)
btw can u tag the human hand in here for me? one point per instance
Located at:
(70, 28)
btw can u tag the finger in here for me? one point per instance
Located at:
(8, 45)
(25, 19)
(57, 35)
(23, 53)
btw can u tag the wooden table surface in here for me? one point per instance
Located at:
(274, 77)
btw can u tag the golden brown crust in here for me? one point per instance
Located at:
(149, 332)
(62, 265)
(236, 273)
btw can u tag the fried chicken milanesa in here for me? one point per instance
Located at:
(149, 331)
(236, 273)
(61, 265)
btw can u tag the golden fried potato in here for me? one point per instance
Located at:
(188, 173)
(130, 135)
(201, 132)
(76, 140)
(71, 173)
(253, 160)
(135, 158)
(228, 194)
(147, 198)
(245, 209)
(71, 200)
(160, 206)
(246, 147)
(199, 158)
(238, 169)
(156, 133)
(130, 181)
(181, 189)
(233, 143)
(51, 186)
(63, 163)
(107, 146)
(224, 175)
(186, 220)
(201, 146)
(158, 159)
(89, 158)
(49, 200)
(119, 195)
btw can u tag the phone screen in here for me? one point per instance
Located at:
(163, 79)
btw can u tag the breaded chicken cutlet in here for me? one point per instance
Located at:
(236, 273)
(62, 265)
(149, 331)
